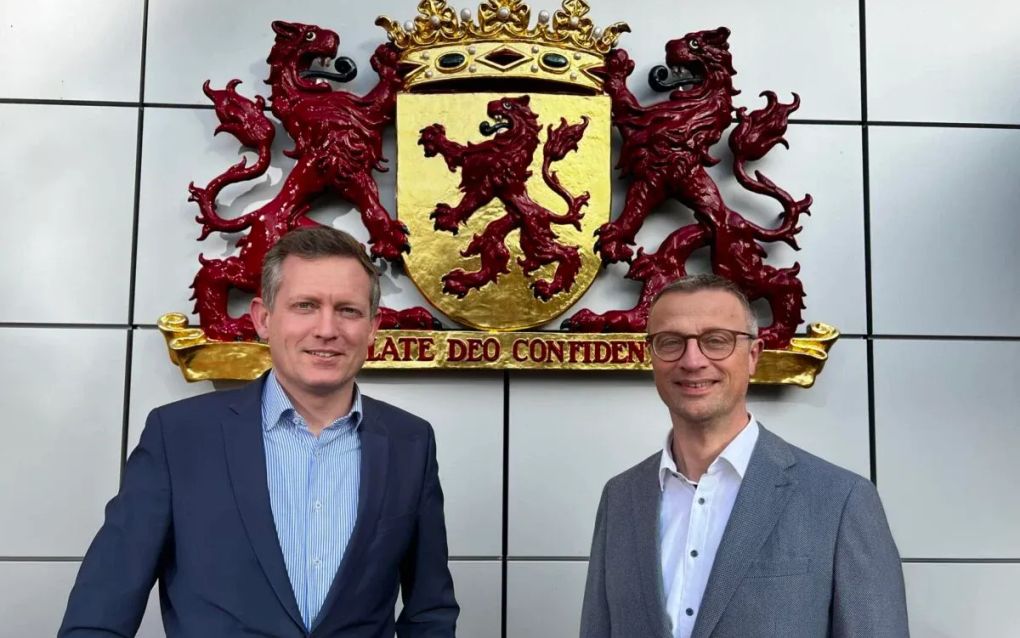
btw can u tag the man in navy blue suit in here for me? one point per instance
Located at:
(292, 507)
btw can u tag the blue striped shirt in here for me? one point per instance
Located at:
(313, 492)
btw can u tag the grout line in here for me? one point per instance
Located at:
(132, 279)
(862, 27)
(554, 559)
(963, 561)
(979, 125)
(41, 559)
(846, 335)
(901, 337)
(548, 559)
(872, 431)
(107, 103)
(793, 121)
(64, 326)
(506, 503)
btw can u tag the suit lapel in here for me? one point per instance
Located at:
(645, 498)
(762, 497)
(246, 462)
(375, 453)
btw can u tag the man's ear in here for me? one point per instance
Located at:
(260, 317)
(755, 351)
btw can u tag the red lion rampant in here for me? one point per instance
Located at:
(338, 143)
(666, 151)
(498, 169)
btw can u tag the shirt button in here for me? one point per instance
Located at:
(318, 505)
(689, 611)
(701, 501)
(694, 553)
(317, 563)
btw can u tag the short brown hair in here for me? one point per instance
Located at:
(315, 243)
(711, 281)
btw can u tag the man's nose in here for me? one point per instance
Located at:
(326, 324)
(692, 356)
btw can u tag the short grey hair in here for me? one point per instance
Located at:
(315, 243)
(711, 281)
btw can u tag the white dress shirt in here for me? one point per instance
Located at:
(692, 518)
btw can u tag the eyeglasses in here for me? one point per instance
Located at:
(715, 344)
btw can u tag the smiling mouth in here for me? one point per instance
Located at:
(695, 385)
(323, 354)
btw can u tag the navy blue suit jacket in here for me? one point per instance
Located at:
(193, 511)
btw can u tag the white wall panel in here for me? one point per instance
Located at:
(466, 410)
(947, 435)
(944, 62)
(190, 41)
(569, 434)
(34, 597)
(543, 599)
(67, 174)
(478, 587)
(944, 231)
(71, 49)
(793, 45)
(155, 381)
(962, 600)
(830, 419)
(63, 399)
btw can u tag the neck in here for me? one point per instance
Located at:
(318, 411)
(695, 446)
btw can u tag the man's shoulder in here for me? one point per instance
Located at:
(202, 402)
(821, 475)
(199, 411)
(638, 473)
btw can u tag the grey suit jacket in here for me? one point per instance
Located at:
(807, 553)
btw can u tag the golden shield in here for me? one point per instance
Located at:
(502, 194)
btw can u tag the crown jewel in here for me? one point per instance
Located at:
(439, 45)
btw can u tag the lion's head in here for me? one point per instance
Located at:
(298, 46)
(696, 59)
(509, 113)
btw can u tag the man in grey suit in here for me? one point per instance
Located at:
(729, 531)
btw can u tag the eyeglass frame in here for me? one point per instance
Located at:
(650, 340)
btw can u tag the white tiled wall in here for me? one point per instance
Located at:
(945, 420)
(65, 249)
(941, 257)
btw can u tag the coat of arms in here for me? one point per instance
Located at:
(503, 213)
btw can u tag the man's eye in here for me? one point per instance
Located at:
(670, 343)
(351, 313)
(304, 305)
(716, 340)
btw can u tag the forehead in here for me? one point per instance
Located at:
(696, 311)
(323, 275)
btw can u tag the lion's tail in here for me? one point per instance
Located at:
(562, 140)
(756, 134)
(245, 120)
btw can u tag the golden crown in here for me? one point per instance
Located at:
(438, 45)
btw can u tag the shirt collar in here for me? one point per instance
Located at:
(737, 454)
(276, 405)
